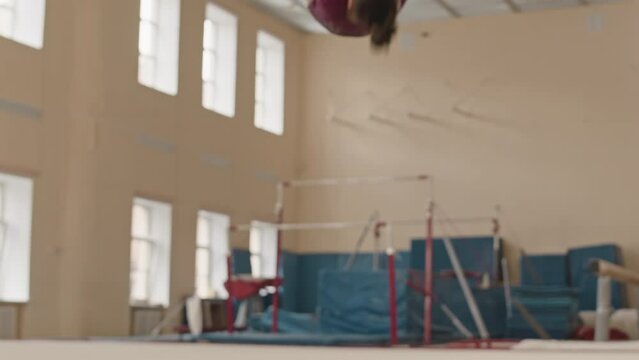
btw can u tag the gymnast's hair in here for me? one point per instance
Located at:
(380, 16)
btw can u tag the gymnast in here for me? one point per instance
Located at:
(377, 18)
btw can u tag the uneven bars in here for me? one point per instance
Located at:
(353, 181)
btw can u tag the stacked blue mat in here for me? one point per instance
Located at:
(477, 255)
(545, 292)
(586, 282)
(358, 302)
(353, 308)
(556, 287)
(554, 308)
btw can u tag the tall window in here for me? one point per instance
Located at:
(7, 17)
(23, 21)
(158, 45)
(263, 248)
(211, 253)
(219, 60)
(16, 197)
(150, 253)
(269, 83)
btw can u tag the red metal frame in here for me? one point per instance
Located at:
(237, 287)
(242, 289)
(393, 298)
(229, 301)
(276, 295)
(428, 279)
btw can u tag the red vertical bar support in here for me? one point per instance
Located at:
(230, 319)
(276, 295)
(428, 278)
(393, 297)
(496, 248)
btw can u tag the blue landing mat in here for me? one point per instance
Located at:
(256, 338)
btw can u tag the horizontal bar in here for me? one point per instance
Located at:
(301, 226)
(418, 222)
(351, 224)
(615, 272)
(353, 181)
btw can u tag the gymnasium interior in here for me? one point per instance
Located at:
(208, 178)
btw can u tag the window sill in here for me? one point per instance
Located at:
(147, 307)
(22, 44)
(230, 117)
(269, 132)
(158, 91)
(213, 300)
(13, 303)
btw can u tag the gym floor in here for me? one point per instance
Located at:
(142, 142)
(109, 350)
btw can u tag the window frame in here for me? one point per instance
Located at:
(260, 91)
(257, 249)
(153, 24)
(270, 88)
(215, 222)
(26, 22)
(150, 247)
(16, 225)
(220, 57)
(209, 255)
(159, 27)
(212, 51)
(10, 9)
(147, 239)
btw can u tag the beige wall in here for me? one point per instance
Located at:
(87, 152)
(545, 126)
(546, 130)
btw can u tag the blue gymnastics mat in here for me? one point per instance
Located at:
(258, 338)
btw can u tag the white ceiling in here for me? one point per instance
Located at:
(294, 11)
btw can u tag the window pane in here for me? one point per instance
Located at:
(259, 61)
(139, 286)
(210, 35)
(202, 287)
(256, 266)
(259, 114)
(220, 272)
(6, 22)
(146, 70)
(140, 255)
(270, 64)
(2, 200)
(259, 88)
(148, 38)
(255, 241)
(3, 231)
(141, 225)
(203, 262)
(149, 10)
(263, 248)
(203, 232)
(208, 95)
(208, 65)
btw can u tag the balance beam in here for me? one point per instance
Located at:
(615, 272)
(607, 272)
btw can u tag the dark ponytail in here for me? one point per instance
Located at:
(380, 16)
